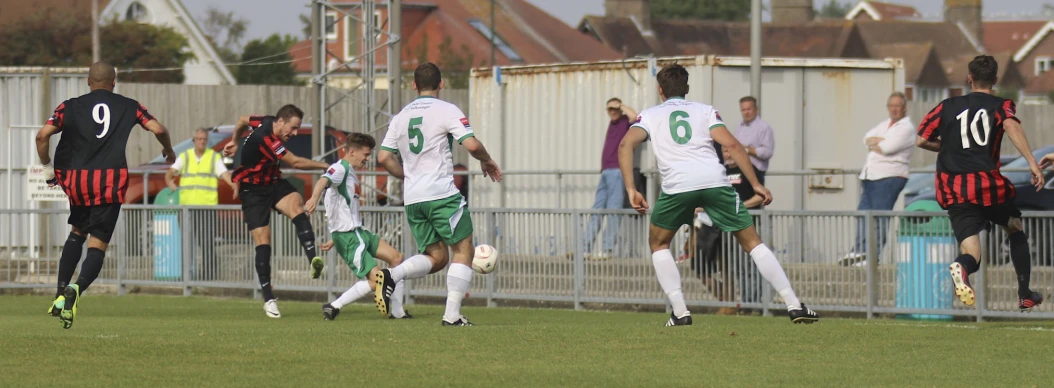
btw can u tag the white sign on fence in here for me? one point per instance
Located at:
(37, 187)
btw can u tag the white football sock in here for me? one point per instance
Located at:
(415, 267)
(670, 280)
(773, 273)
(356, 291)
(396, 307)
(458, 279)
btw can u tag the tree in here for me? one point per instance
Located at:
(305, 22)
(275, 69)
(225, 32)
(57, 37)
(728, 10)
(834, 10)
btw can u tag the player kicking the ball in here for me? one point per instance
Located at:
(682, 134)
(357, 246)
(423, 133)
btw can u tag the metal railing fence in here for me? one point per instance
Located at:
(549, 255)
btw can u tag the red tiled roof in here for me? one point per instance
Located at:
(916, 56)
(531, 33)
(892, 11)
(948, 40)
(674, 37)
(1009, 36)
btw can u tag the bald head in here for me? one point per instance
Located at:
(101, 75)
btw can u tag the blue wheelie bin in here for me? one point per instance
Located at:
(926, 247)
(168, 247)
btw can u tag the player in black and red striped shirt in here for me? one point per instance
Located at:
(262, 188)
(90, 166)
(966, 132)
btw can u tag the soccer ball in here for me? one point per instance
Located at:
(485, 260)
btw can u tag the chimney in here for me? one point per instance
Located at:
(792, 11)
(967, 14)
(638, 10)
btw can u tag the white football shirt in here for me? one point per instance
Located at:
(342, 204)
(423, 134)
(679, 131)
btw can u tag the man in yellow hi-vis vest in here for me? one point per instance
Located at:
(198, 169)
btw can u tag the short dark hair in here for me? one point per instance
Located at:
(427, 77)
(614, 99)
(673, 79)
(749, 98)
(287, 112)
(983, 70)
(357, 139)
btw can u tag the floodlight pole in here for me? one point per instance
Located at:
(755, 49)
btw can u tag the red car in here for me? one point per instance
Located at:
(299, 145)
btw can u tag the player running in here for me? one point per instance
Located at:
(356, 245)
(423, 134)
(966, 132)
(682, 134)
(262, 189)
(90, 166)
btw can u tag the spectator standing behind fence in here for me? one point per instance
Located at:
(198, 169)
(889, 146)
(756, 136)
(610, 191)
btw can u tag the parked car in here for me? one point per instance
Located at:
(1027, 197)
(299, 145)
(922, 182)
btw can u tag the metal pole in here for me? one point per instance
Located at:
(95, 31)
(395, 55)
(369, 63)
(317, 60)
(755, 50)
(492, 64)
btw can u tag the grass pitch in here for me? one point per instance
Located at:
(154, 341)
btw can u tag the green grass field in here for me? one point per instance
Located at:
(156, 341)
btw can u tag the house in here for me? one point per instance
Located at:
(879, 11)
(1023, 44)
(888, 31)
(524, 34)
(206, 69)
(934, 52)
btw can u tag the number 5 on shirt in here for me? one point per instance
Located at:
(417, 139)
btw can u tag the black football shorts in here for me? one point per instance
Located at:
(97, 221)
(970, 219)
(259, 200)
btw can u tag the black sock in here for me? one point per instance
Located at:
(71, 255)
(91, 268)
(1022, 260)
(263, 270)
(306, 235)
(969, 263)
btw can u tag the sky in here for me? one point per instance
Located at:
(270, 16)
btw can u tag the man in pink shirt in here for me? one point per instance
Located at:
(611, 194)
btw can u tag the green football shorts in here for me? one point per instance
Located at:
(358, 248)
(446, 220)
(721, 203)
